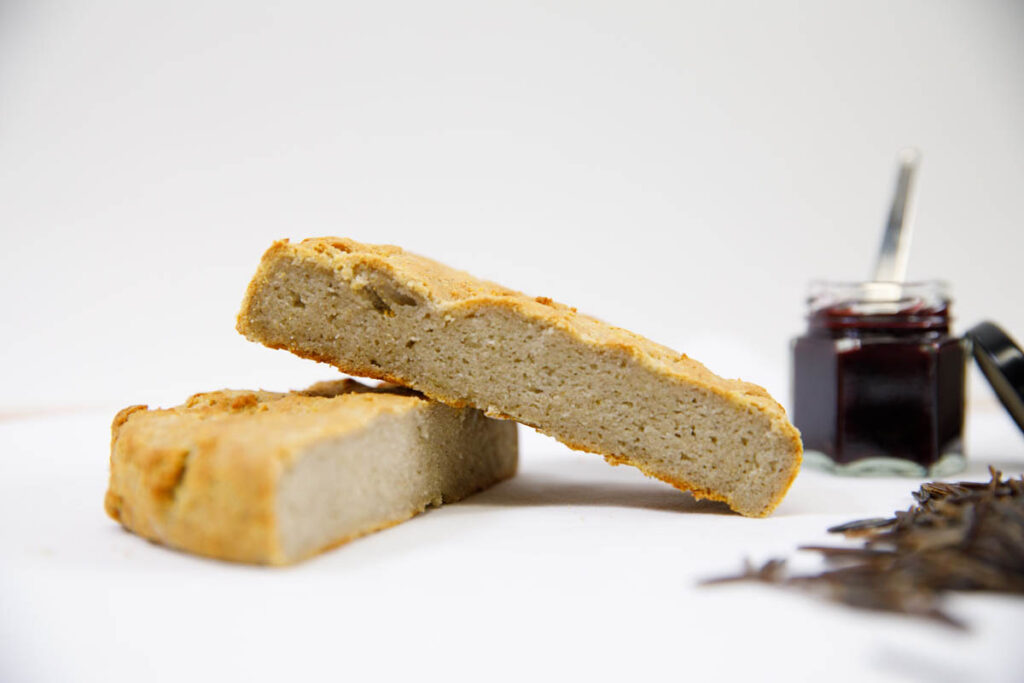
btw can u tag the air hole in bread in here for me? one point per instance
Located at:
(376, 301)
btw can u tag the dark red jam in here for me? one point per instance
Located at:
(880, 380)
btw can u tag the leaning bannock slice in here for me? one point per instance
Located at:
(261, 477)
(379, 311)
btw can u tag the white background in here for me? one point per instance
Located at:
(681, 169)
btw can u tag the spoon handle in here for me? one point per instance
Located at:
(892, 259)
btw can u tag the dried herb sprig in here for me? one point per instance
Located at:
(967, 536)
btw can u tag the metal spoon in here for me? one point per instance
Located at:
(892, 258)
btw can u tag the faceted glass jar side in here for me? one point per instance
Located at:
(878, 380)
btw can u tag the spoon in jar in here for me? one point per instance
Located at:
(891, 266)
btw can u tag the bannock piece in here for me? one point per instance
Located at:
(271, 478)
(378, 311)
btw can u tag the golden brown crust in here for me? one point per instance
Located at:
(458, 292)
(203, 476)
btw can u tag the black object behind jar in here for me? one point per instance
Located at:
(1002, 361)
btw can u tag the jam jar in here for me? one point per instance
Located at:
(878, 380)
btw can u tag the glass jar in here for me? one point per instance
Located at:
(878, 380)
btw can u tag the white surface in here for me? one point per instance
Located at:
(572, 569)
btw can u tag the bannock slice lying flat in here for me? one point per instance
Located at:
(381, 312)
(269, 478)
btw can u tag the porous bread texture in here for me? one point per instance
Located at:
(273, 478)
(378, 311)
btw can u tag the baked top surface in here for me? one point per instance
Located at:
(269, 421)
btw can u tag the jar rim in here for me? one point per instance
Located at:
(868, 298)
